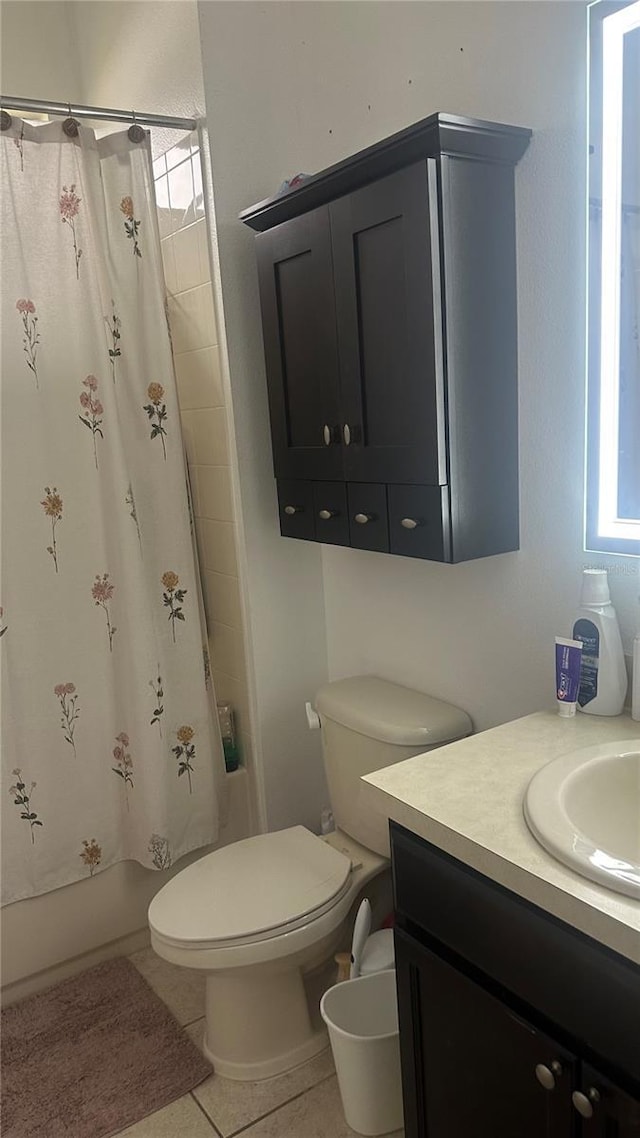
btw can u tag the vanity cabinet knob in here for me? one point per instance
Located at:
(362, 519)
(293, 510)
(410, 523)
(326, 514)
(584, 1103)
(346, 434)
(546, 1076)
(326, 434)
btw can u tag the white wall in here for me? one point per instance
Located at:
(285, 587)
(298, 86)
(39, 57)
(142, 54)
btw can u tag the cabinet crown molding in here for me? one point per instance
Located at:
(436, 135)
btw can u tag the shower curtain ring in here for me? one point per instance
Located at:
(5, 120)
(70, 126)
(136, 132)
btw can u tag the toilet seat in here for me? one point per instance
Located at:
(251, 891)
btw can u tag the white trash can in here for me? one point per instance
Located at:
(362, 1018)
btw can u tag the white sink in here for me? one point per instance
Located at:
(584, 808)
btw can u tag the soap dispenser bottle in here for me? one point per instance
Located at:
(603, 676)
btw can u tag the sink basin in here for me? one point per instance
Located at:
(584, 808)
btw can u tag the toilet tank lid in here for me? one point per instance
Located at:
(391, 713)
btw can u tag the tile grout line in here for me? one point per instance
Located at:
(191, 1022)
(242, 1129)
(275, 1109)
(218, 573)
(203, 1111)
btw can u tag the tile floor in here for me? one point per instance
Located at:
(302, 1104)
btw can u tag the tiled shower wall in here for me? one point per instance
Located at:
(205, 423)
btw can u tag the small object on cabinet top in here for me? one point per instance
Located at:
(292, 183)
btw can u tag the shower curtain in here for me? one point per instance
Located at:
(110, 744)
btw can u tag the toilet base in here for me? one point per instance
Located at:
(262, 995)
(268, 1068)
(257, 1023)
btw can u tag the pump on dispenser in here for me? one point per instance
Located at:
(603, 676)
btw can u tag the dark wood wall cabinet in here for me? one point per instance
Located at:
(388, 295)
(512, 1024)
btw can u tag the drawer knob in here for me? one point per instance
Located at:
(326, 434)
(326, 514)
(584, 1103)
(546, 1076)
(346, 434)
(293, 510)
(362, 519)
(411, 523)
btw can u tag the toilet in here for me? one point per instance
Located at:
(260, 915)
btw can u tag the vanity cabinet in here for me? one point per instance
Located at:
(512, 1024)
(388, 296)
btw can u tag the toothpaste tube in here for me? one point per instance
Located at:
(568, 657)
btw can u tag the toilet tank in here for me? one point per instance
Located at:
(369, 723)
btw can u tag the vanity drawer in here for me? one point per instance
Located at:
(331, 516)
(419, 521)
(295, 502)
(368, 525)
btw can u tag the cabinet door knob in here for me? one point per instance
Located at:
(326, 434)
(293, 509)
(362, 519)
(346, 434)
(546, 1076)
(411, 523)
(584, 1103)
(326, 514)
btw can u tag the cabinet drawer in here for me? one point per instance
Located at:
(368, 525)
(295, 502)
(331, 517)
(419, 521)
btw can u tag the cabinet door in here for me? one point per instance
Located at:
(299, 328)
(387, 280)
(470, 1067)
(603, 1109)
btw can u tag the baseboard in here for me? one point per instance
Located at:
(38, 981)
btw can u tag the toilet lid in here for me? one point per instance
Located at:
(246, 889)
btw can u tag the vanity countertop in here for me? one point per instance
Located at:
(466, 799)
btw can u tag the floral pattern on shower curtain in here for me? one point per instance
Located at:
(110, 744)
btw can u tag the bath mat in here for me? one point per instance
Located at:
(92, 1056)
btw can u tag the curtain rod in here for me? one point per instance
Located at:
(7, 102)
